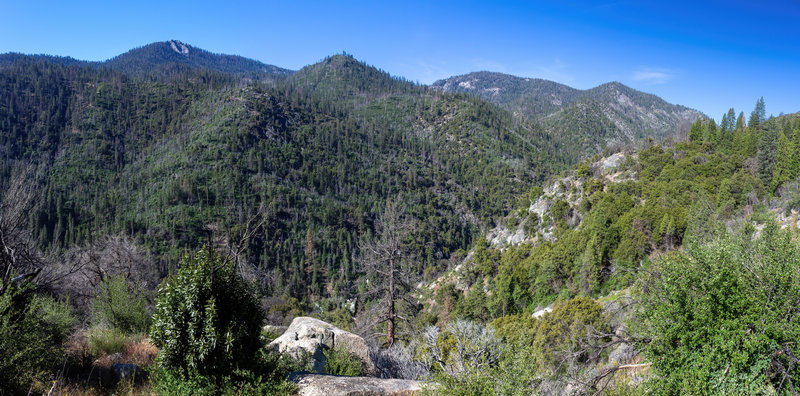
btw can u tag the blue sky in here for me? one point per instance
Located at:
(707, 55)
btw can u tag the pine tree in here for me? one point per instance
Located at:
(795, 153)
(740, 123)
(667, 231)
(593, 255)
(731, 119)
(711, 134)
(727, 126)
(696, 133)
(767, 154)
(759, 114)
(783, 164)
(725, 123)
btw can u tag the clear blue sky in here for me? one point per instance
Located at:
(707, 55)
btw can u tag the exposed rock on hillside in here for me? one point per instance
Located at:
(332, 385)
(275, 329)
(313, 336)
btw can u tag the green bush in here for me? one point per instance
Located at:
(721, 316)
(341, 362)
(120, 307)
(565, 331)
(532, 222)
(516, 329)
(508, 373)
(267, 377)
(268, 336)
(107, 340)
(556, 335)
(56, 316)
(207, 319)
(340, 317)
(32, 329)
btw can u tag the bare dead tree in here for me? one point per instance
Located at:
(387, 261)
(105, 257)
(783, 362)
(19, 257)
(476, 348)
(232, 246)
(590, 349)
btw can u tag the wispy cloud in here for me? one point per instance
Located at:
(557, 71)
(653, 76)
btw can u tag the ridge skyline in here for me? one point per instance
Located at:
(708, 55)
(279, 69)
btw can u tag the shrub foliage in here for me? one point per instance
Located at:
(120, 307)
(32, 329)
(207, 318)
(721, 318)
(342, 362)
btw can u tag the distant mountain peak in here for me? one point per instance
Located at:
(171, 56)
(179, 47)
(609, 113)
(344, 76)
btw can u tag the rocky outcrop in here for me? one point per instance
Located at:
(179, 47)
(612, 161)
(332, 385)
(313, 336)
(275, 329)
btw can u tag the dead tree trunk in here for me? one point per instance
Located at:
(386, 260)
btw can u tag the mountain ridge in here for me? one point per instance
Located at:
(174, 52)
(166, 58)
(610, 113)
(322, 147)
(162, 160)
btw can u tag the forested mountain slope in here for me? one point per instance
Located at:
(492, 254)
(167, 59)
(310, 159)
(611, 113)
(586, 230)
(670, 241)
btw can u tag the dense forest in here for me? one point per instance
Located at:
(160, 208)
(308, 159)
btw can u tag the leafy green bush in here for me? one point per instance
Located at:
(516, 329)
(267, 335)
(341, 362)
(721, 315)
(555, 336)
(339, 317)
(268, 377)
(56, 315)
(120, 307)
(207, 319)
(532, 222)
(32, 329)
(566, 330)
